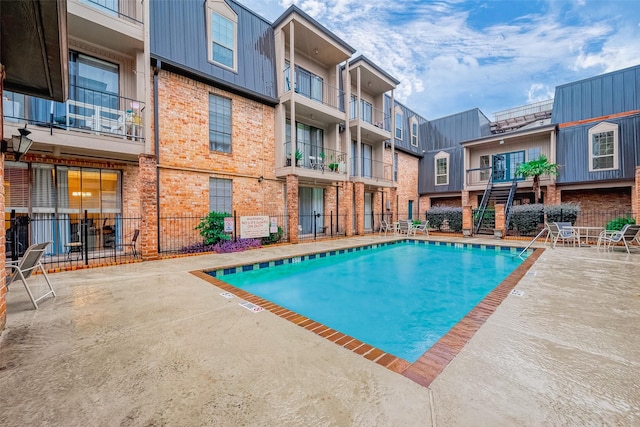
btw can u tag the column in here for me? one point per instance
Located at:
(359, 195)
(292, 207)
(148, 187)
(467, 221)
(499, 231)
(347, 207)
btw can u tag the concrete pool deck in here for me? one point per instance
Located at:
(151, 344)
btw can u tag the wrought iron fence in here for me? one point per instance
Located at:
(583, 218)
(76, 239)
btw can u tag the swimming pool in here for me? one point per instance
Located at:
(400, 298)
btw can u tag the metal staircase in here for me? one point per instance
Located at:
(484, 224)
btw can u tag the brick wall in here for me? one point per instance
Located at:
(608, 199)
(407, 185)
(3, 255)
(187, 163)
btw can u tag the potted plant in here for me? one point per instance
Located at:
(298, 156)
(333, 167)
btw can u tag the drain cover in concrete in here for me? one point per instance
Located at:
(227, 295)
(517, 293)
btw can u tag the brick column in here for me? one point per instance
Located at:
(467, 221)
(499, 230)
(635, 196)
(393, 196)
(552, 196)
(465, 198)
(359, 194)
(148, 185)
(292, 207)
(347, 207)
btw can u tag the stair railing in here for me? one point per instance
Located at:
(483, 204)
(507, 206)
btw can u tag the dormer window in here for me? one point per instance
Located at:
(414, 131)
(222, 34)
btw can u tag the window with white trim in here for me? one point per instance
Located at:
(534, 153)
(222, 34)
(414, 131)
(442, 168)
(398, 123)
(603, 147)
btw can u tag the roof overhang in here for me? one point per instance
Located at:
(34, 48)
(507, 135)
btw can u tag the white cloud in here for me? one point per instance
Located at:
(447, 63)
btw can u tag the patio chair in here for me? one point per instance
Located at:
(404, 226)
(423, 227)
(24, 267)
(628, 234)
(562, 230)
(385, 226)
(132, 244)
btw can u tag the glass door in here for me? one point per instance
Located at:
(505, 165)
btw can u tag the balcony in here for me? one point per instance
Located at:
(311, 160)
(92, 112)
(315, 98)
(374, 122)
(373, 172)
(123, 9)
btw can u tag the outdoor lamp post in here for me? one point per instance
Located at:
(18, 145)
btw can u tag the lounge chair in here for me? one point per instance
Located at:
(627, 235)
(23, 268)
(562, 230)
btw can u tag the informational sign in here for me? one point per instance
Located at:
(252, 227)
(228, 224)
(273, 228)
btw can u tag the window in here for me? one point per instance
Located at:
(414, 132)
(603, 147)
(219, 124)
(222, 25)
(442, 168)
(366, 111)
(533, 153)
(485, 165)
(398, 123)
(220, 192)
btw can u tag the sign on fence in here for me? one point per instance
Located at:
(273, 228)
(254, 226)
(228, 224)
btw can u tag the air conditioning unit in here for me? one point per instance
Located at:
(387, 144)
(341, 127)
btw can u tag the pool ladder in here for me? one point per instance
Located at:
(544, 230)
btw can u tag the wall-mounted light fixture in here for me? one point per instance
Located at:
(18, 145)
(315, 51)
(261, 178)
(502, 141)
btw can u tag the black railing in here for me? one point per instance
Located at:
(128, 10)
(76, 239)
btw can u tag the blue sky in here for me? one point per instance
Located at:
(451, 55)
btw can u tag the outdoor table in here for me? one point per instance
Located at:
(586, 233)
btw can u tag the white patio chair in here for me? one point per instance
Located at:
(24, 267)
(562, 230)
(385, 226)
(627, 235)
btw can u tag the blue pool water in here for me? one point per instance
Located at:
(400, 298)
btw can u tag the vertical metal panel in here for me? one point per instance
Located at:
(572, 151)
(178, 34)
(611, 93)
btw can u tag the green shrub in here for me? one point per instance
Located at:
(437, 216)
(272, 237)
(618, 223)
(564, 212)
(212, 228)
(525, 218)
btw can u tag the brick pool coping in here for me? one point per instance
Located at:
(424, 370)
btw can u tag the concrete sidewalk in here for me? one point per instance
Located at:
(151, 344)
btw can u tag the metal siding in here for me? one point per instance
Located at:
(572, 151)
(611, 93)
(178, 34)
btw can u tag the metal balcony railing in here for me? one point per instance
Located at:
(369, 114)
(87, 110)
(310, 156)
(130, 10)
(313, 87)
(373, 169)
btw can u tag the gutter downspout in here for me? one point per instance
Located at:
(156, 144)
